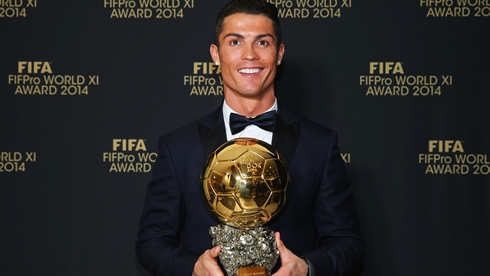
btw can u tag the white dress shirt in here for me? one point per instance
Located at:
(251, 131)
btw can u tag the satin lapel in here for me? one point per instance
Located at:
(212, 132)
(285, 139)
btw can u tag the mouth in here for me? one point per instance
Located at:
(249, 71)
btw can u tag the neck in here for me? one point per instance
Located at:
(250, 107)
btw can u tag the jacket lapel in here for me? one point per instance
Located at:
(285, 139)
(212, 131)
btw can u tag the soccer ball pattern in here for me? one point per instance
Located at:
(245, 183)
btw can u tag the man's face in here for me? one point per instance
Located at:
(248, 55)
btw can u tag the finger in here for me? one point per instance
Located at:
(291, 264)
(280, 244)
(284, 252)
(215, 251)
(207, 263)
(278, 239)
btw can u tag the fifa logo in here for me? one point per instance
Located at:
(128, 145)
(386, 68)
(206, 68)
(34, 67)
(445, 146)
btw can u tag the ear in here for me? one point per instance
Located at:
(280, 53)
(213, 50)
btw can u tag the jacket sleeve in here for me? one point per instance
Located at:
(157, 246)
(341, 246)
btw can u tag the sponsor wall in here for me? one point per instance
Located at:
(87, 87)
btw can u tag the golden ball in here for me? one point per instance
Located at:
(245, 183)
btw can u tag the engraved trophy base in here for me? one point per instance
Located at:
(245, 252)
(252, 271)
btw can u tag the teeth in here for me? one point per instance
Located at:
(249, 71)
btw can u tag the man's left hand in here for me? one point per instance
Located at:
(292, 265)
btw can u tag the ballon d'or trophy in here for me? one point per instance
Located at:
(245, 183)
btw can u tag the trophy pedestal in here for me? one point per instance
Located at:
(245, 252)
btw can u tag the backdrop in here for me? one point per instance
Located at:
(87, 87)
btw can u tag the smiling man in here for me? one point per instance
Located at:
(248, 52)
(319, 232)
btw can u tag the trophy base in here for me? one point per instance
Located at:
(245, 252)
(252, 271)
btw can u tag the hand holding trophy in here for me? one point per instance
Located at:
(245, 183)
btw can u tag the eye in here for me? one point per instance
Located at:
(263, 43)
(234, 42)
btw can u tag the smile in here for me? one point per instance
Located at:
(249, 71)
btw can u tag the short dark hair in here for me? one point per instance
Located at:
(255, 7)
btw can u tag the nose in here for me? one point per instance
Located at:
(249, 53)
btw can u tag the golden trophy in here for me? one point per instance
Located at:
(245, 183)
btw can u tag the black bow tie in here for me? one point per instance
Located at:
(266, 121)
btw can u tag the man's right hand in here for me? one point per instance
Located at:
(207, 265)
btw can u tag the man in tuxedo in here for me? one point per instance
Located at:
(318, 232)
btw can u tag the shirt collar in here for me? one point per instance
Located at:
(227, 110)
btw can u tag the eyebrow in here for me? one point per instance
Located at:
(257, 37)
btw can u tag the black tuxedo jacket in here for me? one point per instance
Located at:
(319, 222)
